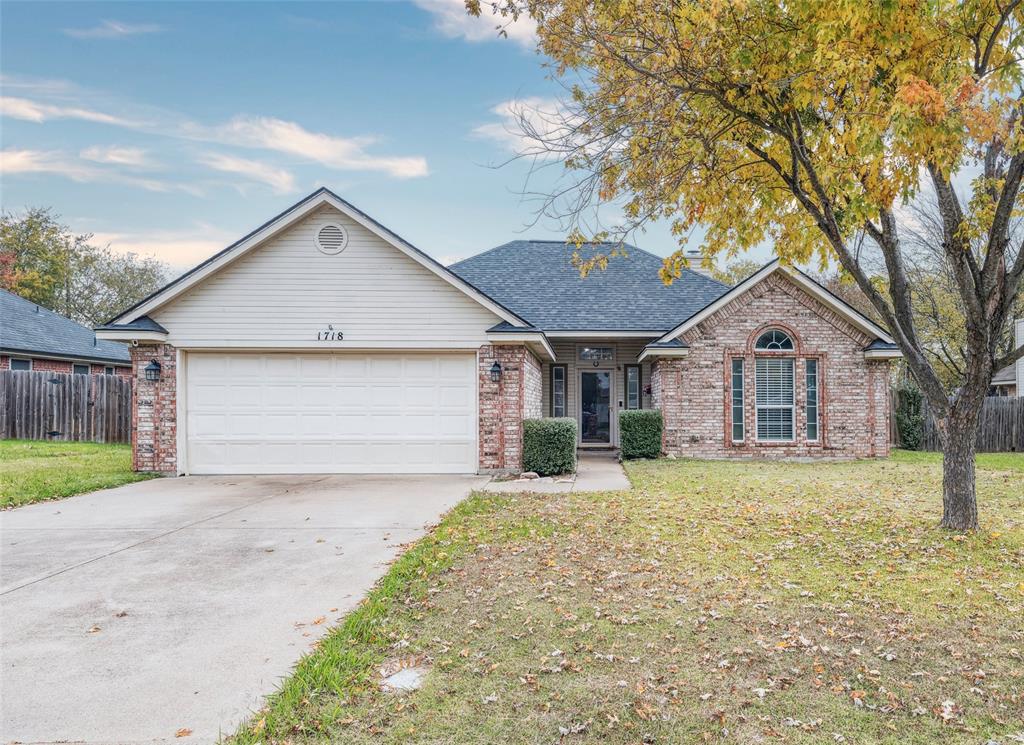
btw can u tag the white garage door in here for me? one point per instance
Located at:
(331, 413)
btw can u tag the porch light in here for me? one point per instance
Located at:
(153, 371)
(496, 372)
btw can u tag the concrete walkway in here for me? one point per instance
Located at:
(131, 614)
(596, 470)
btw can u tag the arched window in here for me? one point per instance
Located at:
(773, 340)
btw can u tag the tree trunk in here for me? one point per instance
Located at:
(959, 502)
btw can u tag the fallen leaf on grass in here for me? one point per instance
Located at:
(183, 732)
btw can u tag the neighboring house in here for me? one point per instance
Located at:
(1010, 380)
(34, 338)
(323, 342)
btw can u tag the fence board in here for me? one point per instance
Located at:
(92, 408)
(1000, 426)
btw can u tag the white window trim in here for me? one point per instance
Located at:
(817, 399)
(639, 386)
(791, 407)
(732, 400)
(88, 368)
(600, 363)
(565, 390)
(22, 359)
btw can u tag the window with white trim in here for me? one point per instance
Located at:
(18, 363)
(632, 386)
(108, 370)
(80, 369)
(597, 354)
(558, 373)
(737, 399)
(812, 398)
(773, 340)
(773, 378)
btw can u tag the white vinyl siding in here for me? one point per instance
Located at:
(285, 292)
(774, 398)
(330, 413)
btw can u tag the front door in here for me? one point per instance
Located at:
(595, 407)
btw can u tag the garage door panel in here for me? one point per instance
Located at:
(330, 413)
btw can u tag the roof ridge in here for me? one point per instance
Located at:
(482, 253)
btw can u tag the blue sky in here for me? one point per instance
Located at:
(171, 129)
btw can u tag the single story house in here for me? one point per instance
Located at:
(322, 342)
(34, 338)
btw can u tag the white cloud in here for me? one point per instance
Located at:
(113, 30)
(254, 132)
(15, 161)
(522, 120)
(35, 111)
(452, 20)
(277, 178)
(179, 248)
(134, 157)
(340, 153)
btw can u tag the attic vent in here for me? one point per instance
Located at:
(331, 239)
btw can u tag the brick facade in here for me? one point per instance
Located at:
(505, 404)
(154, 411)
(44, 364)
(694, 392)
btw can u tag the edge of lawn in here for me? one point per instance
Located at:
(358, 645)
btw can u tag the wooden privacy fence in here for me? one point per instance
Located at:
(60, 406)
(1000, 426)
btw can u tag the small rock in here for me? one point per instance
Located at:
(406, 679)
(529, 475)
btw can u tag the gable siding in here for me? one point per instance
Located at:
(285, 291)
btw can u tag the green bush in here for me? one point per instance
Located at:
(549, 446)
(909, 416)
(640, 433)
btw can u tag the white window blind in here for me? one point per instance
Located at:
(812, 399)
(774, 398)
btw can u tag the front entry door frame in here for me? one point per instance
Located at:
(613, 418)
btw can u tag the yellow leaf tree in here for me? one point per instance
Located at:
(809, 124)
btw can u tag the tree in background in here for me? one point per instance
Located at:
(43, 261)
(807, 124)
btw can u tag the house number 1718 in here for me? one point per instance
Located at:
(329, 335)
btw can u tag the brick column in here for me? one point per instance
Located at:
(154, 410)
(667, 397)
(504, 405)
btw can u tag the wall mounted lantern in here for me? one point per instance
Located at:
(496, 372)
(153, 371)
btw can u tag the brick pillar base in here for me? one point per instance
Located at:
(155, 410)
(504, 405)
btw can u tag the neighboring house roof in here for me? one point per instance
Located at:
(30, 329)
(813, 288)
(1006, 376)
(275, 225)
(536, 279)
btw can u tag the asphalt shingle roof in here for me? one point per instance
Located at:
(536, 280)
(29, 328)
(1007, 375)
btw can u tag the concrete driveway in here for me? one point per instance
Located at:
(129, 614)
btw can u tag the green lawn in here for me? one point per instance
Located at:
(714, 602)
(33, 471)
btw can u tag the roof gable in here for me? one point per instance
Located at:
(801, 280)
(29, 328)
(275, 226)
(536, 279)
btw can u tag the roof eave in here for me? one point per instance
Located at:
(536, 340)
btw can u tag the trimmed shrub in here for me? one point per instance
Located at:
(909, 416)
(640, 433)
(549, 446)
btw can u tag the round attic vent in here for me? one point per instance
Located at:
(331, 239)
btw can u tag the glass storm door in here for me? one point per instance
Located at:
(595, 407)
